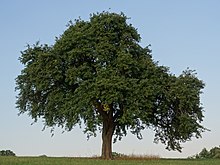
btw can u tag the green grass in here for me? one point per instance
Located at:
(86, 161)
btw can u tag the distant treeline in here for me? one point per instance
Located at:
(7, 153)
(205, 154)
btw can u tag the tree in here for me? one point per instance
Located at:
(213, 153)
(97, 73)
(204, 153)
(7, 153)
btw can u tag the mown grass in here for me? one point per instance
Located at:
(88, 161)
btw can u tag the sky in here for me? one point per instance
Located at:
(181, 33)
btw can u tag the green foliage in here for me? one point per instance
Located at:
(215, 152)
(7, 153)
(97, 72)
(120, 156)
(205, 154)
(117, 155)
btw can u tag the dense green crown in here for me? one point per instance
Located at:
(98, 66)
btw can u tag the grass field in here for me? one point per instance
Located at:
(86, 161)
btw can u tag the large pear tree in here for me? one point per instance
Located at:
(97, 74)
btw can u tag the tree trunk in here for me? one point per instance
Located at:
(107, 133)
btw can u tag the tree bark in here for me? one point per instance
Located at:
(107, 133)
(107, 130)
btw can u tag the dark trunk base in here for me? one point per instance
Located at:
(107, 134)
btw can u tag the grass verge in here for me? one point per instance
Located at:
(89, 161)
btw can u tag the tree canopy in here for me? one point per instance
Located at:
(213, 153)
(97, 73)
(7, 153)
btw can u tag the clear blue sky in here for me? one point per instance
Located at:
(182, 34)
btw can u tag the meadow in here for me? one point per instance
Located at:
(89, 161)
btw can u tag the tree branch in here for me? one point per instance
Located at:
(99, 108)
